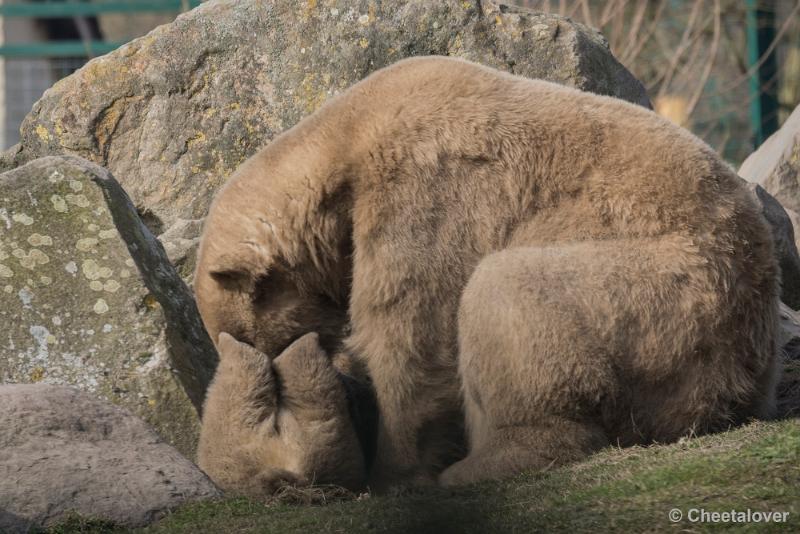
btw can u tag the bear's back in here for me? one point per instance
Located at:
(620, 164)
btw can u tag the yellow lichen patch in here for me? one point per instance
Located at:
(96, 69)
(59, 127)
(107, 234)
(311, 96)
(100, 307)
(77, 200)
(5, 271)
(363, 42)
(235, 105)
(37, 374)
(86, 244)
(22, 218)
(309, 10)
(457, 46)
(30, 259)
(111, 286)
(92, 227)
(42, 132)
(91, 270)
(109, 120)
(8, 289)
(45, 280)
(199, 137)
(105, 272)
(498, 20)
(39, 240)
(210, 112)
(125, 273)
(55, 177)
(150, 302)
(59, 204)
(96, 285)
(75, 185)
(466, 5)
(151, 402)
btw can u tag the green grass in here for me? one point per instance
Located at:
(633, 489)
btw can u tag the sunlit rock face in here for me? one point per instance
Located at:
(174, 113)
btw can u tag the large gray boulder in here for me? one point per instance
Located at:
(172, 114)
(776, 164)
(89, 298)
(789, 384)
(63, 451)
(783, 236)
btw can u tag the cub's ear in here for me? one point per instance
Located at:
(304, 361)
(310, 384)
(304, 350)
(232, 350)
(229, 345)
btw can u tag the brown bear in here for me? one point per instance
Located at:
(555, 269)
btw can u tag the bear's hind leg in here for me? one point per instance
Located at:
(567, 347)
(534, 373)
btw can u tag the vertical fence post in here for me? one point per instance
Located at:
(2, 84)
(763, 79)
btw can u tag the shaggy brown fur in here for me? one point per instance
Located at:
(593, 273)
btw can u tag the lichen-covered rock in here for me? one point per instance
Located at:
(783, 236)
(776, 164)
(76, 307)
(62, 451)
(172, 114)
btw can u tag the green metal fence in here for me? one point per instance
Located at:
(49, 9)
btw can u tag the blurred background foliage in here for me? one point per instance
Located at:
(701, 61)
(728, 70)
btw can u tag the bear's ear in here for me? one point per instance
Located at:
(310, 386)
(304, 357)
(240, 268)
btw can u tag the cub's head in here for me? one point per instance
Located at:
(270, 422)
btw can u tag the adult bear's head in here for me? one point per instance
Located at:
(275, 256)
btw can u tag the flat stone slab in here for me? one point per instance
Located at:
(63, 451)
